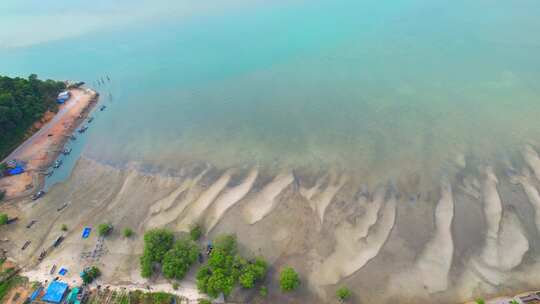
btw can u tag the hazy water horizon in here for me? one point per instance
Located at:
(356, 85)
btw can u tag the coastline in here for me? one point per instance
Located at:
(42, 148)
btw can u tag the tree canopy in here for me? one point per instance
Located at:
(343, 294)
(225, 269)
(104, 229)
(289, 280)
(177, 261)
(156, 244)
(23, 102)
(3, 218)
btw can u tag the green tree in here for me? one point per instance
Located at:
(157, 242)
(289, 280)
(196, 232)
(3, 218)
(104, 229)
(253, 273)
(90, 274)
(23, 102)
(127, 232)
(177, 261)
(343, 294)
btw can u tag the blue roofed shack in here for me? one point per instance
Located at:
(17, 170)
(55, 292)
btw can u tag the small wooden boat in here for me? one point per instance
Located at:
(57, 164)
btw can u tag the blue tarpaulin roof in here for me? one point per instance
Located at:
(16, 170)
(55, 292)
(35, 294)
(86, 232)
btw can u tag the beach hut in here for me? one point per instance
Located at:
(86, 232)
(55, 292)
(63, 97)
(15, 171)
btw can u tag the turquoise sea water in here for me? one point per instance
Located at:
(370, 85)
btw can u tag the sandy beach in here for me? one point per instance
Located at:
(41, 149)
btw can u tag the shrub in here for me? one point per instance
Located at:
(343, 294)
(2, 195)
(252, 273)
(3, 219)
(289, 279)
(90, 274)
(104, 229)
(196, 232)
(480, 301)
(175, 285)
(127, 232)
(161, 297)
(177, 261)
(263, 291)
(225, 269)
(64, 227)
(204, 301)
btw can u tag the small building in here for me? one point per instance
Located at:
(55, 292)
(15, 171)
(63, 97)
(72, 296)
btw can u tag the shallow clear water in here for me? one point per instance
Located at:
(373, 86)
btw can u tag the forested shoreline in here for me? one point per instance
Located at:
(23, 102)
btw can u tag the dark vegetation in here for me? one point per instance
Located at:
(196, 232)
(289, 280)
(174, 257)
(23, 102)
(8, 280)
(226, 269)
(90, 274)
(127, 232)
(3, 219)
(343, 294)
(104, 229)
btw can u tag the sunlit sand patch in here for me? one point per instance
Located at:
(430, 271)
(321, 200)
(506, 243)
(187, 196)
(195, 210)
(352, 251)
(493, 213)
(130, 178)
(265, 201)
(166, 202)
(227, 199)
(530, 190)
